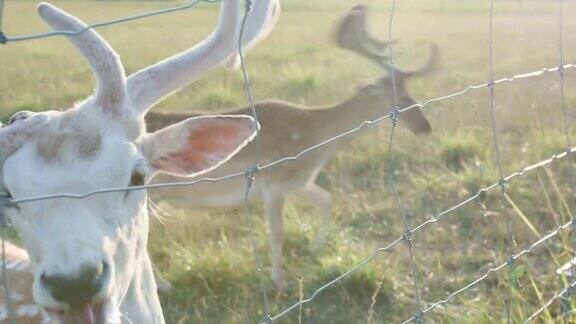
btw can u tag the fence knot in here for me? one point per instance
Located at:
(419, 316)
(409, 238)
(394, 116)
(5, 202)
(250, 174)
(267, 319)
(502, 183)
(491, 83)
(481, 195)
(249, 5)
(510, 261)
(3, 38)
(568, 292)
(561, 70)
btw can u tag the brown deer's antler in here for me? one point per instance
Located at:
(352, 34)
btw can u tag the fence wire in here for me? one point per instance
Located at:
(251, 172)
(302, 153)
(4, 39)
(480, 193)
(409, 239)
(408, 236)
(510, 261)
(2, 36)
(561, 294)
(502, 184)
(564, 116)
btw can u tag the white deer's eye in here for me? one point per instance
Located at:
(138, 178)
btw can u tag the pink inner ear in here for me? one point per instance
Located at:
(207, 145)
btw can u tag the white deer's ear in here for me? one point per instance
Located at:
(198, 144)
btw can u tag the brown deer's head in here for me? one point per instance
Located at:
(352, 34)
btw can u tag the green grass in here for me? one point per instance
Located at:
(208, 256)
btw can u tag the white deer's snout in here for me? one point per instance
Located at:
(78, 289)
(74, 277)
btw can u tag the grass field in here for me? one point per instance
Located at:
(208, 256)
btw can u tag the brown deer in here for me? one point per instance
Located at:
(286, 130)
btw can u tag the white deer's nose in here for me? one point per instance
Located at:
(79, 289)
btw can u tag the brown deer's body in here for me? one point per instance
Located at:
(286, 130)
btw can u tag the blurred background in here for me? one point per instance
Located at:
(207, 255)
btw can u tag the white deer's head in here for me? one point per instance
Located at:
(89, 255)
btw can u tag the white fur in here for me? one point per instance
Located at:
(155, 82)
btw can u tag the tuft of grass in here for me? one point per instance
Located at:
(297, 82)
(460, 149)
(217, 97)
(545, 143)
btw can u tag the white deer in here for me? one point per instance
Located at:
(287, 129)
(89, 256)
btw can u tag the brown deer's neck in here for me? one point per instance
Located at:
(327, 121)
(156, 120)
(350, 113)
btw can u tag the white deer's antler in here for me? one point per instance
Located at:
(150, 85)
(106, 64)
(155, 82)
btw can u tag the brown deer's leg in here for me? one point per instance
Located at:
(321, 198)
(273, 205)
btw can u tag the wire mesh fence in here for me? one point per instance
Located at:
(251, 174)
